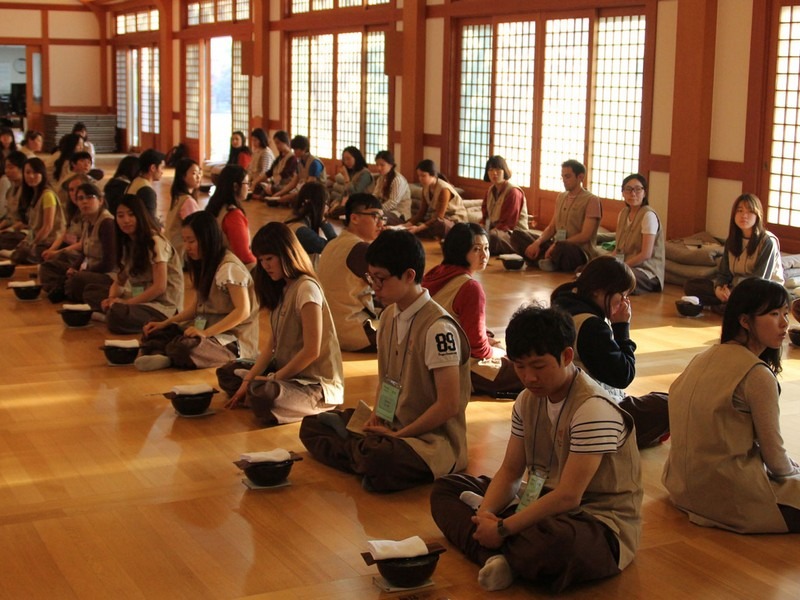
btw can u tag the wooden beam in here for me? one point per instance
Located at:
(413, 98)
(691, 122)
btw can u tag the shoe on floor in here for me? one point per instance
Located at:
(547, 265)
(152, 362)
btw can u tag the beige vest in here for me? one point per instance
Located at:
(629, 241)
(287, 335)
(36, 219)
(401, 205)
(218, 305)
(455, 211)
(494, 207)
(347, 294)
(303, 168)
(614, 495)
(92, 247)
(278, 165)
(171, 301)
(714, 470)
(488, 368)
(174, 225)
(443, 449)
(571, 217)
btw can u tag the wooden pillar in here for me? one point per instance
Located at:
(691, 117)
(166, 138)
(412, 105)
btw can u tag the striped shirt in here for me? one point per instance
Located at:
(596, 428)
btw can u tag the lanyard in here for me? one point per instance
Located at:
(555, 430)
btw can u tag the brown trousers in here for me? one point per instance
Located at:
(558, 551)
(386, 464)
(188, 352)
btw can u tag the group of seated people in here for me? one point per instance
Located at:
(571, 477)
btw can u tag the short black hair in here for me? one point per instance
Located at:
(17, 158)
(300, 142)
(82, 155)
(576, 166)
(535, 329)
(148, 158)
(359, 202)
(397, 251)
(496, 162)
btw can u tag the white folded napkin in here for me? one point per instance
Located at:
(510, 257)
(6, 253)
(276, 455)
(691, 299)
(5, 263)
(122, 343)
(23, 284)
(76, 307)
(383, 549)
(192, 390)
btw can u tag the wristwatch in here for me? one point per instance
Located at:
(502, 531)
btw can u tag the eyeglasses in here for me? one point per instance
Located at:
(375, 281)
(246, 182)
(633, 190)
(377, 216)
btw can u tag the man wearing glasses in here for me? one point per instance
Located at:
(416, 431)
(341, 270)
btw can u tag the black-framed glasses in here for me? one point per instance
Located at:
(377, 216)
(633, 190)
(375, 281)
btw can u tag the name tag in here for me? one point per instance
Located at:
(136, 290)
(620, 257)
(387, 400)
(561, 235)
(533, 489)
(200, 323)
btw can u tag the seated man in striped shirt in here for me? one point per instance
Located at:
(577, 518)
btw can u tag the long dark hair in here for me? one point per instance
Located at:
(752, 298)
(67, 146)
(359, 161)
(459, 242)
(225, 192)
(429, 167)
(309, 205)
(277, 239)
(29, 196)
(733, 245)
(128, 168)
(233, 155)
(641, 179)
(388, 158)
(604, 273)
(141, 248)
(212, 251)
(260, 135)
(179, 187)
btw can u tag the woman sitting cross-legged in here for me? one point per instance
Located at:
(221, 324)
(149, 285)
(299, 369)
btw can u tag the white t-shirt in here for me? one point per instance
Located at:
(442, 341)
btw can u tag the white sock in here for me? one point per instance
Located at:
(471, 499)
(496, 574)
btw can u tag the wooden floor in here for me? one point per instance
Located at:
(105, 493)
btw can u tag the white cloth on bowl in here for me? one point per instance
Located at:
(691, 299)
(384, 549)
(23, 284)
(276, 455)
(5, 263)
(122, 343)
(510, 257)
(192, 390)
(83, 307)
